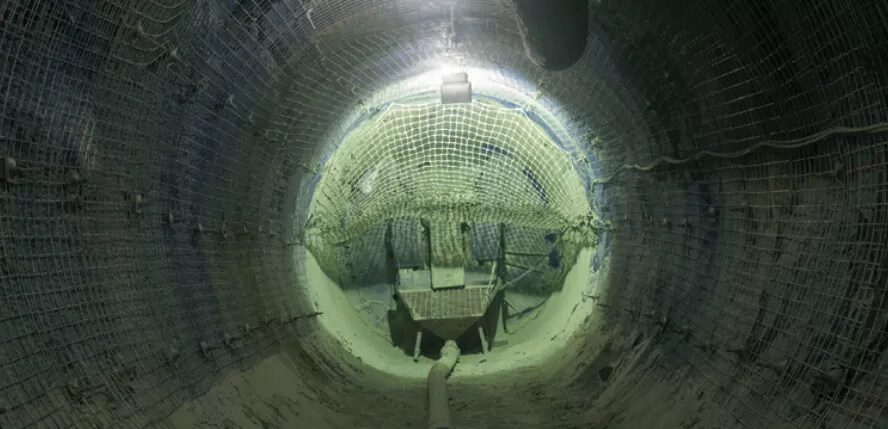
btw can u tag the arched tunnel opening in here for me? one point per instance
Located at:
(319, 213)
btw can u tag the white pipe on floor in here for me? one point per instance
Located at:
(439, 407)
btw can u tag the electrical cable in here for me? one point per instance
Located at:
(776, 144)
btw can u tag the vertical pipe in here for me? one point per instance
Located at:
(417, 344)
(484, 346)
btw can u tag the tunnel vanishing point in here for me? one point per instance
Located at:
(443, 214)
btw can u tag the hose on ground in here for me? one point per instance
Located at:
(439, 407)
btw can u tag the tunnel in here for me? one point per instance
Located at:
(289, 213)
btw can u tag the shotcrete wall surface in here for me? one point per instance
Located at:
(153, 269)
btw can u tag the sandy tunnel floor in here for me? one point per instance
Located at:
(623, 381)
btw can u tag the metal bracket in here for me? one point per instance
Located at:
(9, 170)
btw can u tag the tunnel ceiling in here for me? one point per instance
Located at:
(463, 162)
(157, 153)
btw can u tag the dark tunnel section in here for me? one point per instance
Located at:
(555, 32)
(151, 151)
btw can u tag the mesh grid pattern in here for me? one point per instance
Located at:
(470, 302)
(769, 271)
(454, 163)
(108, 290)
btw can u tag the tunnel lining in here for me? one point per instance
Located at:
(99, 284)
(406, 156)
(406, 146)
(446, 163)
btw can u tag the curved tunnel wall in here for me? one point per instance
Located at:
(146, 247)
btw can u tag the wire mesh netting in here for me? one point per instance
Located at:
(145, 231)
(455, 163)
(114, 305)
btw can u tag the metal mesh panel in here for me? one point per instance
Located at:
(470, 303)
